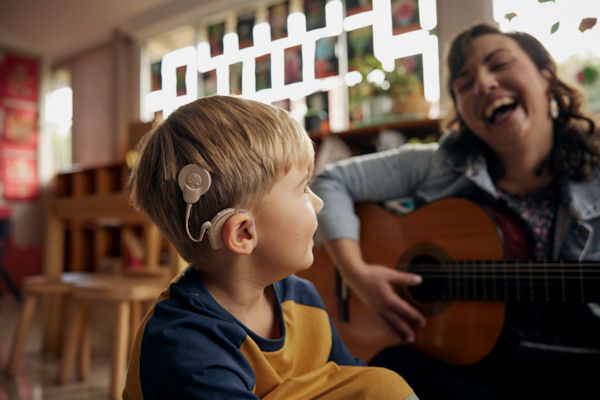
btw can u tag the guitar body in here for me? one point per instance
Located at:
(457, 332)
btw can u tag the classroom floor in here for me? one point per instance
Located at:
(36, 377)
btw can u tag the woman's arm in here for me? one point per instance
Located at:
(375, 177)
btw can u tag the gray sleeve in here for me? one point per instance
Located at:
(374, 177)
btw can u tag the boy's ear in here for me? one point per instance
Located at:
(239, 233)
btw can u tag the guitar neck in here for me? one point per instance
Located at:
(532, 282)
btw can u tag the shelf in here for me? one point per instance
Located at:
(362, 140)
(87, 214)
(412, 128)
(90, 181)
(98, 206)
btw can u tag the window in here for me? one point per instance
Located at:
(318, 49)
(59, 119)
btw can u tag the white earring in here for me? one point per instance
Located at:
(554, 109)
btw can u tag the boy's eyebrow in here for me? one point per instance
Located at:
(463, 72)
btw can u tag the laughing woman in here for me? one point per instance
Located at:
(519, 140)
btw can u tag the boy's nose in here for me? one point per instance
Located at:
(316, 202)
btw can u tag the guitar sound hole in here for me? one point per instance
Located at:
(432, 287)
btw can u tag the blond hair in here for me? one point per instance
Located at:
(245, 146)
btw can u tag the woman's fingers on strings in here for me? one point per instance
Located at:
(404, 278)
(395, 304)
(399, 326)
(406, 311)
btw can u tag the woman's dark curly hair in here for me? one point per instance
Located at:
(576, 150)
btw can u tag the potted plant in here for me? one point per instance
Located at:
(391, 92)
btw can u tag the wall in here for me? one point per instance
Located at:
(102, 102)
(92, 80)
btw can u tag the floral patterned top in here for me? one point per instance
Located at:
(537, 210)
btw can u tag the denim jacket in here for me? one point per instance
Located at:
(431, 172)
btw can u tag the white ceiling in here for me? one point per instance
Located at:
(56, 29)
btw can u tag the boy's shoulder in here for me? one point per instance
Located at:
(299, 290)
(189, 309)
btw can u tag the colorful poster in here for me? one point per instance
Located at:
(245, 26)
(155, 76)
(263, 72)
(326, 60)
(215, 38)
(278, 14)
(317, 114)
(20, 127)
(411, 65)
(358, 6)
(292, 64)
(209, 83)
(407, 87)
(405, 16)
(360, 45)
(19, 78)
(315, 14)
(180, 80)
(235, 78)
(18, 172)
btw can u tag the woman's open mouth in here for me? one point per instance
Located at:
(499, 109)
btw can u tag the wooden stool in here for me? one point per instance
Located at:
(33, 288)
(126, 295)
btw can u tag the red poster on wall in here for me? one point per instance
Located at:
(19, 80)
(19, 172)
(20, 127)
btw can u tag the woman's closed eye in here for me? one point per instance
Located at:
(498, 66)
(499, 61)
(463, 84)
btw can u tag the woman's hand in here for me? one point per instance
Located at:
(376, 286)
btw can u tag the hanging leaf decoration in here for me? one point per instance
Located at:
(555, 26)
(587, 23)
(510, 16)
(544, 1)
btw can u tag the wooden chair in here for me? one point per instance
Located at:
(33, 288)
(126, 294)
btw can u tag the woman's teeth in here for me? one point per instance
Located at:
(499, 106)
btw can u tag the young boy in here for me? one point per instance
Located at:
(226, 180)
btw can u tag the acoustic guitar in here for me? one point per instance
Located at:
(473, 260)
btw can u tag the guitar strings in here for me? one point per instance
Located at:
(511, 266)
